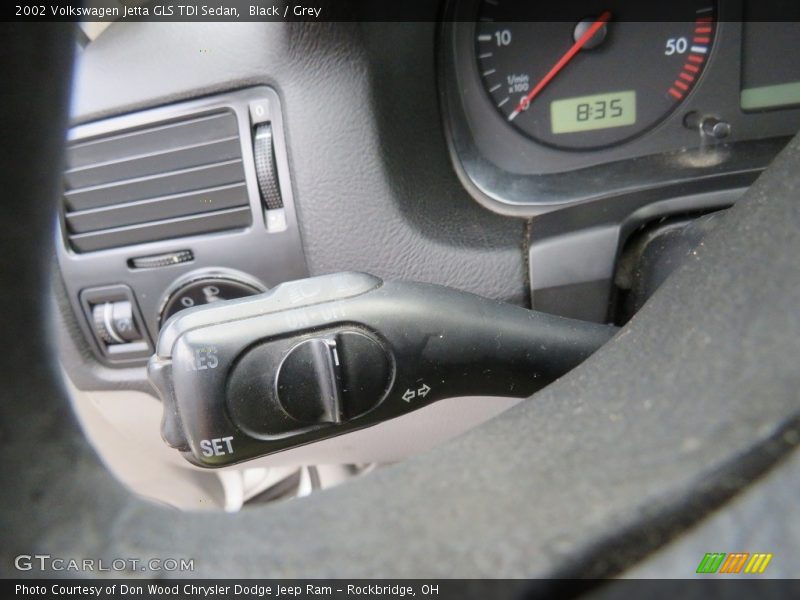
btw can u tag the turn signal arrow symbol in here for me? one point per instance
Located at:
(410, 394)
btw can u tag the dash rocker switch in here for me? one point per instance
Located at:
(115, 324)
(320, 357)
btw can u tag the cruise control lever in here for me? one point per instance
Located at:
(319, 357)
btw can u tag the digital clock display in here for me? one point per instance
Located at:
(587, 113)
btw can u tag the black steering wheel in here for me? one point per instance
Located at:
(694, 402)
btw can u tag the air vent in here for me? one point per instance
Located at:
(169, 180)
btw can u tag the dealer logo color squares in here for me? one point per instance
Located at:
(734, 563)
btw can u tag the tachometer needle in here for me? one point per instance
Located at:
(562, 62)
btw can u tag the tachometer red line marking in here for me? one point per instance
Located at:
(702, 30)
(691, 68)
(675, 93)
(562, 62)
(701, 40)
(686, 76)
(703, 20)
(695, 58)
(680, 84)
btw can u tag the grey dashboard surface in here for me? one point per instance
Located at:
(378, 199)
(694, 399)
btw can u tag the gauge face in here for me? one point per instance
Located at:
(596, 76)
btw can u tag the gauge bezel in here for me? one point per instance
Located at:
(511, 174)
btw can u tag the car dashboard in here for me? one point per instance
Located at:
(533, 155)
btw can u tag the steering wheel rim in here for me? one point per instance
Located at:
(691, 402)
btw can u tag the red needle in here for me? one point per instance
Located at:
(562, 62)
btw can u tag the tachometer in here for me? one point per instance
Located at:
(594, 80)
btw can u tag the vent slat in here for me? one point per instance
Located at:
(160, 181)
(161, 184)
(152, 139)
(155, 209)
(155, 162)
(159, 230)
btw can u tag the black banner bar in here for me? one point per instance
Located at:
(700, 587)
(347, 10)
